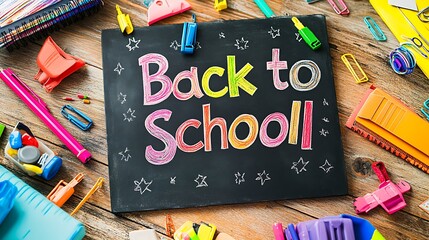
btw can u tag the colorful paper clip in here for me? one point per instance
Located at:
(63, 191)
(94, 188)
(311, 1)
(358, 79)
(160, 9)
(124, 21)
(425, 109)
(189, 36)
(341, 11)
(220, 5)
(75, 120)
(375, 30)
(424, 14)
(388, 195)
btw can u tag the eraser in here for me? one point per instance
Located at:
(147, 234)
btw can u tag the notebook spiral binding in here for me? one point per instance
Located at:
(41, 24)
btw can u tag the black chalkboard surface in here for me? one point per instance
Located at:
(250, 116)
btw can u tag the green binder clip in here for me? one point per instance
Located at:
(375, 29)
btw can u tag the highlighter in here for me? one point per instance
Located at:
(307, 34)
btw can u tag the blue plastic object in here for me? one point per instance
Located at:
(33, 216)
(52, 168)
(189, 36)
(7, 196)
(67, 109)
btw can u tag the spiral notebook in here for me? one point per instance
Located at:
(45, 21)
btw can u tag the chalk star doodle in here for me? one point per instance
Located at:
(122, 154)
(197, 45)
(201, 181)
(274, 32)
(122, 98)
(241, 44)
(263, 177)
(118, 68)
(298, 37)
(221, 35)
(300, 165)
(135, 42)
(174, 44)
(173, 180)
(239, 178)
(324, 132)
(326, 166)
(129, 115)
(138, 187)
(325, 103)
(325, 119)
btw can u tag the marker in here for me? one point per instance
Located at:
(307, 34)
(68, 99)
(278, 231)
(265, 8)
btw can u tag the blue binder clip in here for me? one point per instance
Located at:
(425, 109)
(74, 119)
(375, 29)
(189, 36)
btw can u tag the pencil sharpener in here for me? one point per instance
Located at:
(30, 154)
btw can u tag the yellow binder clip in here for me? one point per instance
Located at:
(124, 21)
(96, 186)
(358, 79)
(220, 5)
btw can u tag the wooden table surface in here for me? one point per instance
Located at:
(347, 34)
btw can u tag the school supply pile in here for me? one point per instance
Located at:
(33, 216)
(408, 27)
(387, 122)
(30, 154)
(38, 20)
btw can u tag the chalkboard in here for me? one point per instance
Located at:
(250, 116)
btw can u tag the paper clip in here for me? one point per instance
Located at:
(402, 61)
(220, 5)
(169, 226)
(63, 191)
(364, 78)
(94, 188)
(124, 21)
(189, 36)
(342, 4)
(424, 14)
(413, 46)
(374, 29)
(311, 1)
(74, 119)
(425, 109)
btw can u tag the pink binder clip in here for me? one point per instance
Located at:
(388, 195)
(341, 8)
(160, 9)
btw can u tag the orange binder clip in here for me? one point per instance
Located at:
(387, 122)
(55, 65)
(63, 191)
(160, 9)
